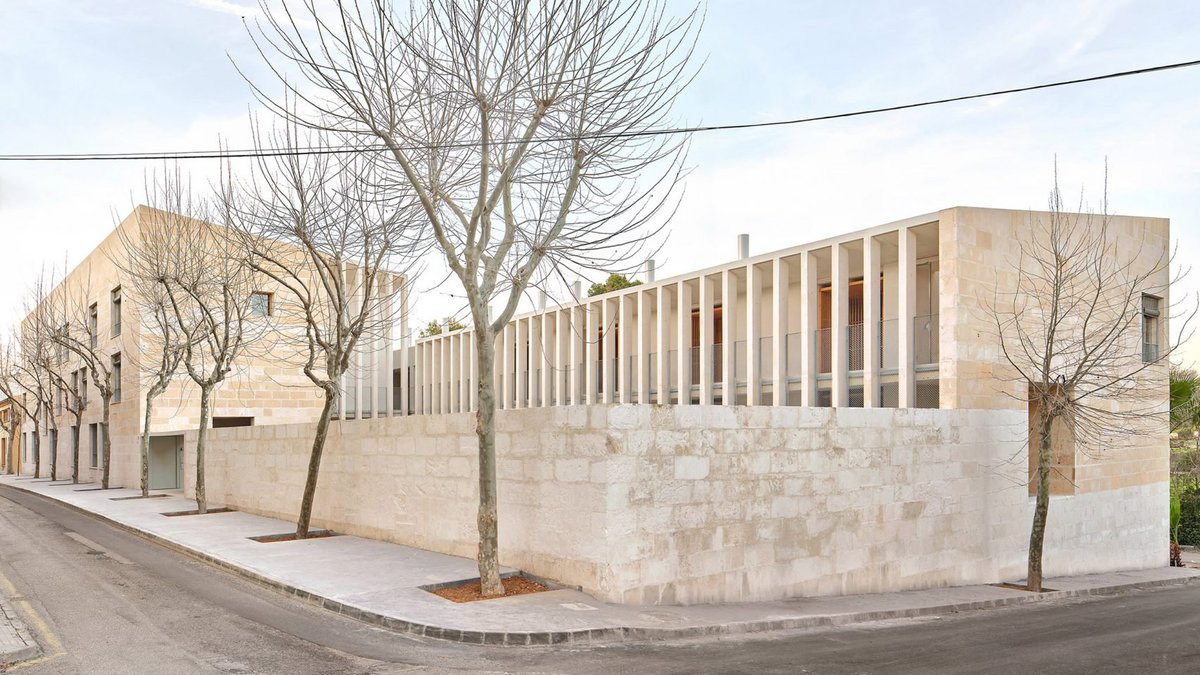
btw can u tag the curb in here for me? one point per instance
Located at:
(31, 648)
(614, 633)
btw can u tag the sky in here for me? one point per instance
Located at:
(157, 75)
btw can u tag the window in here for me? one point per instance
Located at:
(82, 388)
(116, 311)
(260, 304)
(62, 395)
(93, 323)
(75, 388)
(116, 378)
(1150, 331)
(64, 332)
(94, 444)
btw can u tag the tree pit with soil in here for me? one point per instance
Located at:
(472, 591)
(194, 512)
(291, 536)
(1023, 587)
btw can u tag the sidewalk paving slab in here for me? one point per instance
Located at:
(380, 583)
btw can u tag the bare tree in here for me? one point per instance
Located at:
(35, 367)
(76, 330)
(149, 259)
(525, 129)
(1071, 329)
(207, 287)
(72, 403)
(319, 228)
(16, 390)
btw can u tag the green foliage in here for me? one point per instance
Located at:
(1185, 490)
(615, 282)
(1176, 514)
(1185, 399)
(435, 327)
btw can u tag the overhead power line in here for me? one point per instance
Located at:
(252, 152)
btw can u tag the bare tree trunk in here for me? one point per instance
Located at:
(54, 454)
(485, 429)
(201, 440)
(105, 445)
(37, 450)
(1037, 534)
(314, 464)
(145, 483)
(75, 454)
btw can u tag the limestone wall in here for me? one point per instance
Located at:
(692, 504)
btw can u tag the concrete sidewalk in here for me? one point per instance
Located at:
(379, 582)
(16, 644)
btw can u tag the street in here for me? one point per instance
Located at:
(110, 602)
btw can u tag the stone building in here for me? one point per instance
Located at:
(834, 417)
(266, 385)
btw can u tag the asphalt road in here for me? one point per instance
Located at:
(141, 608)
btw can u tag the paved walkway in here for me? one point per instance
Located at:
(379, 582)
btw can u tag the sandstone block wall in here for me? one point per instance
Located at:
(692, 504)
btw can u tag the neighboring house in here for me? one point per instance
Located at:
(10, 446)
(266, 386)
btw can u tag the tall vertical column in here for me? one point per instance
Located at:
(706, 341)
(576, 352)
(870, 332)
(643, 345)
(358, 360)
(608, 358)
(729, 310)
(405, 341)
(545, 361)
(839, 324)
(523, 366)
(444, 357)
(430, 377)
(455, 373)
(473, 373)
(507, 362)
(753, 335)
(662, 364)
(683, 303)
(387, 377)
(624, 352)
(907, 309)
(780, 295)
(810, 319)
(591, 349)
(562, 328)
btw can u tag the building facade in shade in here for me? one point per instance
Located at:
(266, 385)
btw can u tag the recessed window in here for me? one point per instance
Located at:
(93, 313)
(116, 377)
(94, 443)
(116, 311)
(261, 304)
(1150, 329)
